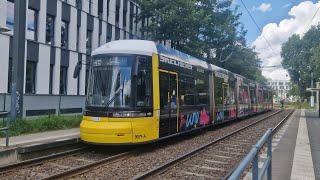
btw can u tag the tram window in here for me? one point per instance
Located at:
(243, 94)
(202, 90)
(187, 96)
(265, 94)
(260, 96)
(144, 82)
(218, 91)
(252, 95)
(232, 96)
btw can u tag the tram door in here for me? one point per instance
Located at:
(226, 101)
(168, 102)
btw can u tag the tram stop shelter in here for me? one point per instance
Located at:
(317, 90)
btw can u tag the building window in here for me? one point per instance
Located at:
(117, 34)
(89, 42)
(51, 78)
(131, 16)
(64, 34)
(63, 79)
(9, 75)
(10, 14)
(50, 30)
(90, 6)
(31, 77)
(32, 23)
(124, 18)
(87, 80)
(78, 80)
(109, 32)
(78, 37)
(108, 5)
(79, 4)
(136, 20)
(117, 15)
(124, 35)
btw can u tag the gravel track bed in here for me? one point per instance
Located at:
(200, 168)
(160, 153)
(54, 166)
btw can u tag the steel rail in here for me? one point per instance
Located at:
(39, 160)
(165, 166)
(85, 168)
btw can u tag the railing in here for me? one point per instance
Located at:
(253, 157)
(4, 114)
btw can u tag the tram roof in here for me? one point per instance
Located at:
(144, 47)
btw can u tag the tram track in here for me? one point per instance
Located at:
(144, 160)
(213, 160)
(84, 164)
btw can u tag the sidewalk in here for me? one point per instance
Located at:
(296, 148)
(43, 137)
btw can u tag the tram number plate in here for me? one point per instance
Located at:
(96, 119)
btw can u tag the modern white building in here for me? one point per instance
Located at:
(281, 88)
(59, 33)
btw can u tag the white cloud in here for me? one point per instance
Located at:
(264, 7)
(277, 34)
(286, 5)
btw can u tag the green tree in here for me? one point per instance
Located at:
(299, 56)
(199, 28)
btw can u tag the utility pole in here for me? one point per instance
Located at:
(19, 36)
(312, 97)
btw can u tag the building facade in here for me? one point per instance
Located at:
(281, 89)
(59, 33)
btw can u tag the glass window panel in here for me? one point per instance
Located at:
(30, 77)
(50, 29)
(10, 15)
(32, 17)
(64, 34)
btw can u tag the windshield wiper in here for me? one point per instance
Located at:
(113, 98)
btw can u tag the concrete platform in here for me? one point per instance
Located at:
(296, 148)
(43, 137)
(38, 144)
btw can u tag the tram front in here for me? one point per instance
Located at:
(119, 101)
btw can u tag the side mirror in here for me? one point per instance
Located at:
(77, 70)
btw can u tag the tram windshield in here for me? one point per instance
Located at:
(120, 82)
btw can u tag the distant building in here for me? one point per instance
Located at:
(281, 89)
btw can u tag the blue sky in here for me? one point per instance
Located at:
(278, 11)
(278, 20)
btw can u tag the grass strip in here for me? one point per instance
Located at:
(42, 124)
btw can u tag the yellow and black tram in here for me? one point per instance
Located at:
(141, 91)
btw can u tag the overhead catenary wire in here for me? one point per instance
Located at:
(258, 28)
(314, 15)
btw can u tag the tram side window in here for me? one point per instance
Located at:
(187, 95)
(260, 96)
(253, 95)
(202, 90)
(144, 82)
(265, 94)
(243, 94)
(218, 90)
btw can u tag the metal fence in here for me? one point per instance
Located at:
(42, 105)
(253, 156)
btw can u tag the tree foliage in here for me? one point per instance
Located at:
(301, 58)
(207, 29)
